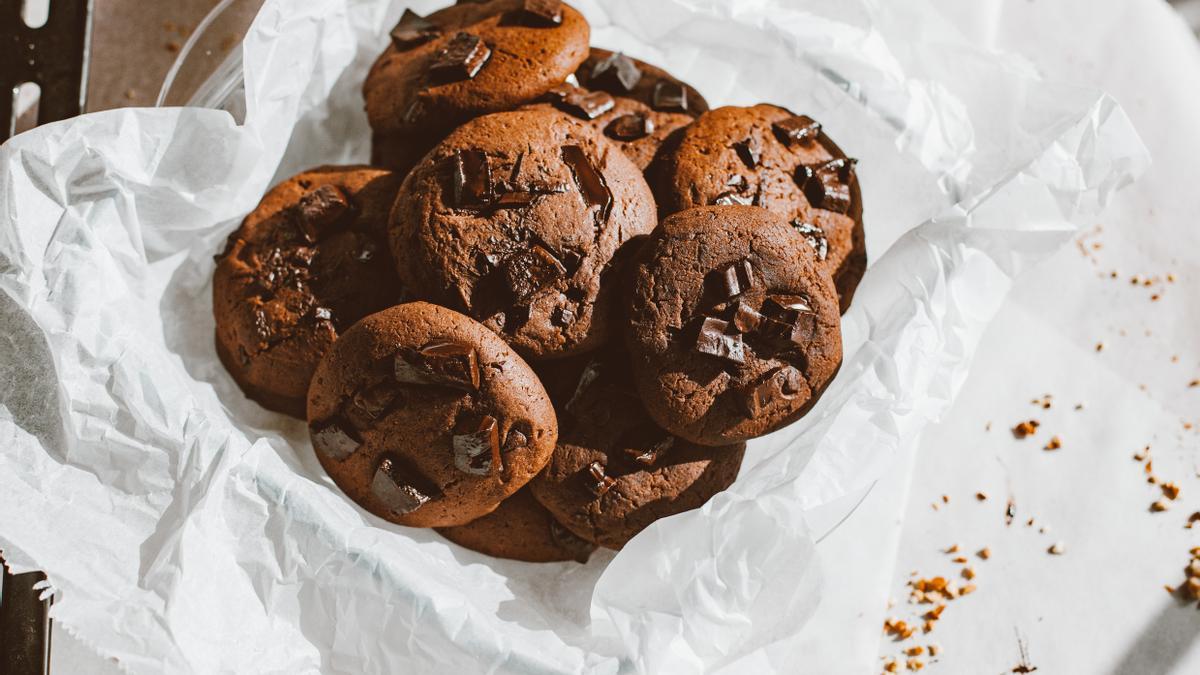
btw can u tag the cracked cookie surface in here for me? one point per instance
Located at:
(521, 220)
(734, 329)
(426, 418)
(307, 263)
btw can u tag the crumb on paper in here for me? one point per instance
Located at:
(173, 46)
(960, 560)
(952, 548)
(945, 499)
(987, 427)
(914, 664)
(1170, 491)
(985, 553)
(1194, 383)
(1027, 428)
(1010, 511)
(1054, 444)
(1158, 506)
(1044, 529)
(1057, 548)
(968, 573)
(934, 649)
(915, 650)
(1099, 346)
(1192, 519)
(1141, 455)
(1078, 406)
(981, 496)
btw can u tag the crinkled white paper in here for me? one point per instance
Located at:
(185, 529)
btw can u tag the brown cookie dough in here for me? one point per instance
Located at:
(614, 472)
(767, 156)
(520, 529)
(516, 220)
(463, 61)
(428, 419)
(307, 263)
(621, 75)
(734, 327)
(638, 130)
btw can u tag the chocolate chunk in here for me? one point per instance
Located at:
(732, 199)
(413, 30)
(565, 539)
(780, 384)
(714, 339)
(736, 278)
(322, 314)
(815, 237)
(400, 488)
(529, 271)
(563, 316)
(618, 74)
(335, 439)
(542, 13)
(800, 129)
(647, 444)
(581, 103)
(790, 318)
(472, 179)
(318, 210)
(515, 200)
(630, 127)
(750, 152)
(372, 402)
(461, 59)
(590, 181)
(599, 482)
(670, 96)
(450, 364)
(827, 186)
(745, 318)
(477, 447)
(517, 437)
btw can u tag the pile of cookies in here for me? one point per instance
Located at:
(561, 300)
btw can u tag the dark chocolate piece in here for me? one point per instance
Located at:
(320, 209)
(542, 13)
(529, 271)
(630, 127)
(563, 316)
(581, 103)
(372, 402)
(335, 439)
(599, 483)
(827, 186)
(800, 129)
(737, 278)
(780, 384)
(477, 447)
(815, 237)
(461, 59)
(515, 200)
(670, 96)
(322, 314)
(472, 179)
(745, 318)
(396, 486)
(591, 182)
(713, 338)
(442, 363)
(517, 437)
(567, 540)
(790, 318)
(649, 445)
(733, 199)
(618, 74)
(750, 152)
(413, 30)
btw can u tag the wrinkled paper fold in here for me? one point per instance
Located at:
(184, 529)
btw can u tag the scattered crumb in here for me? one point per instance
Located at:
(173, 46)
(936, 506)
(1054, 444)
(915, 650)
(1056, 548)
(1192, 519)
(1158, 506)
(1024, 429)
(1141, 455)
(981, 496)
(1044, 529)
(959, 559)
(1170, 491)
(914, 664)
(1194, 383)
(934, 649)
(1099, 346)
(1010, 511)
(968, 573)
(985, 553)
(1029, 523)
(1078, 406)
(987, 427)
(953, 548)
(945, 499)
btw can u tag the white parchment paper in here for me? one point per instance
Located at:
(184, 529)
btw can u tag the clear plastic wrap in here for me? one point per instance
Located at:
(185, 529)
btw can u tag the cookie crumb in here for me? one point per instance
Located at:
(953, 548)
(985, 553)
(981, 496)
(1056, 548)
(1054, 444)
(1170, 491)
(968, 573)
(1158, 506)
(1099, 346)
(1027, 428)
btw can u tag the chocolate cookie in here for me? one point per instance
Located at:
(621, 75)
(637, 129)
(515, 220)
(307, 263)
(767, 156)
(734, 326)
(614, 472)
(463, 61)
(520, 529)
(426, 418)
